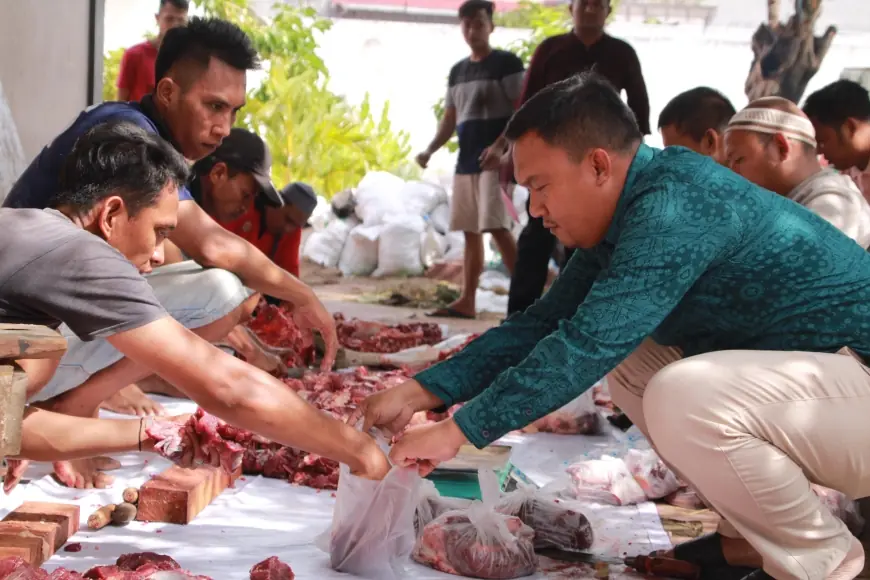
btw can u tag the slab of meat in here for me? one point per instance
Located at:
(365, 336)
(555, 524)
(201, 433)
(478, 543)
(272, 569)
(579, 417)
(432, 505)
(274, 326)
(18, 569)
(142, 566)
(606, 480)
(650, 472)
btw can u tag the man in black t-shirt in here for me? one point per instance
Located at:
(116, 205)
(482, 90)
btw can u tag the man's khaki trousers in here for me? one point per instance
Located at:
(749, 430)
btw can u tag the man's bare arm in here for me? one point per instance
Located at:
(245, 396)
(209, 244)
(446, 127)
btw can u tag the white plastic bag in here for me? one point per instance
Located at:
(432, 247)
(579, 417)
(479, 542)
(324, 246)
(378, 195)
(455, 246)
(431, 505)
(606, 480)
(399, 247)
(372, 532)
(421, 198)
(440, 218)
(651, 474)
(360, 254)
(556, 524)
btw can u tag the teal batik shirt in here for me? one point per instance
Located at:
(696, 257)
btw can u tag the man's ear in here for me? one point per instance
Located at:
(849, 128)
(219, 172)
(166, 91)
(601, 165)
(782, 146)
(710, 142)
(109, 214)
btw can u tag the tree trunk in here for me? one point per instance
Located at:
(12, 161)
(787, 55)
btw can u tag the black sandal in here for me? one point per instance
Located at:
(705, 551)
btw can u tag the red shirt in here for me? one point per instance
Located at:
(137, 70)
(284, 251)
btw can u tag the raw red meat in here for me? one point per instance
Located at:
(579, 417)
(455, 544)
(364, 336)
(18, 569)
(176, 440)
(133, 562)
(274, 326)
(272, 569)
(74, 547)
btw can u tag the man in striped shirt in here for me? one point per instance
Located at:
(481, 92)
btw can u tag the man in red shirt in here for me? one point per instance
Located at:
(136, 78)
(277, 231)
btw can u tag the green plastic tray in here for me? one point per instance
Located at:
(464, 484)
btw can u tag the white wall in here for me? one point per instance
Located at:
(44, 66)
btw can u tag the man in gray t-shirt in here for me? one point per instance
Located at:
(80, 263)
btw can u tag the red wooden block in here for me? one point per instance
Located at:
(37, 547)
(64, 514)
(177, 495)
(48, 530)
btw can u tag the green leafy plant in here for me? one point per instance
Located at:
(315, 135)
(111, 70)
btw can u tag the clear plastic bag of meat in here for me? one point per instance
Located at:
(650, 472)
(555, 523)
(431, 505)
(372, 532)
(606, 480)
(579, 417)
(841, 506)
(479, 542)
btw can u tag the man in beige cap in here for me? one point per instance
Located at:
(773, 144)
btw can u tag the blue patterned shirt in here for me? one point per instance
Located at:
(696, 257)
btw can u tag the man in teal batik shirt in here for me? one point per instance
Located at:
(743, 297)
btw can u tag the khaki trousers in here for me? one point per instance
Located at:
(749, 430)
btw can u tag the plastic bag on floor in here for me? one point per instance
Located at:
(606, 480)
(455, 246)
(399, 247)
(440, 218)
(324, 246)
(650, 472)
(378, 195)
(360, 254)
(479, 542)
(556, 525)
(372, 532)
(431, 505)
(432, 247)
(579, 417)
(841, 506)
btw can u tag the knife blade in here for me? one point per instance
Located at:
(582, 557)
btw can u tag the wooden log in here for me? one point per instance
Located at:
(13, 397)
(30, 341)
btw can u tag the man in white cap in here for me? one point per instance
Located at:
(773, 144)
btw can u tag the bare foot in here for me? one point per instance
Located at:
(85, 473)
(132, 401)
(158, 386)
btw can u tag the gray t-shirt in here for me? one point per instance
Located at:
(835, 197)
(54, 272)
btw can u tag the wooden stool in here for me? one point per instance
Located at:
(20, 341)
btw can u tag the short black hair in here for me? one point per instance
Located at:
(696, 111)
(837, 102)
(118, 158)
(200, 40)
(577, 114)
(470, 8)
(180, 4)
